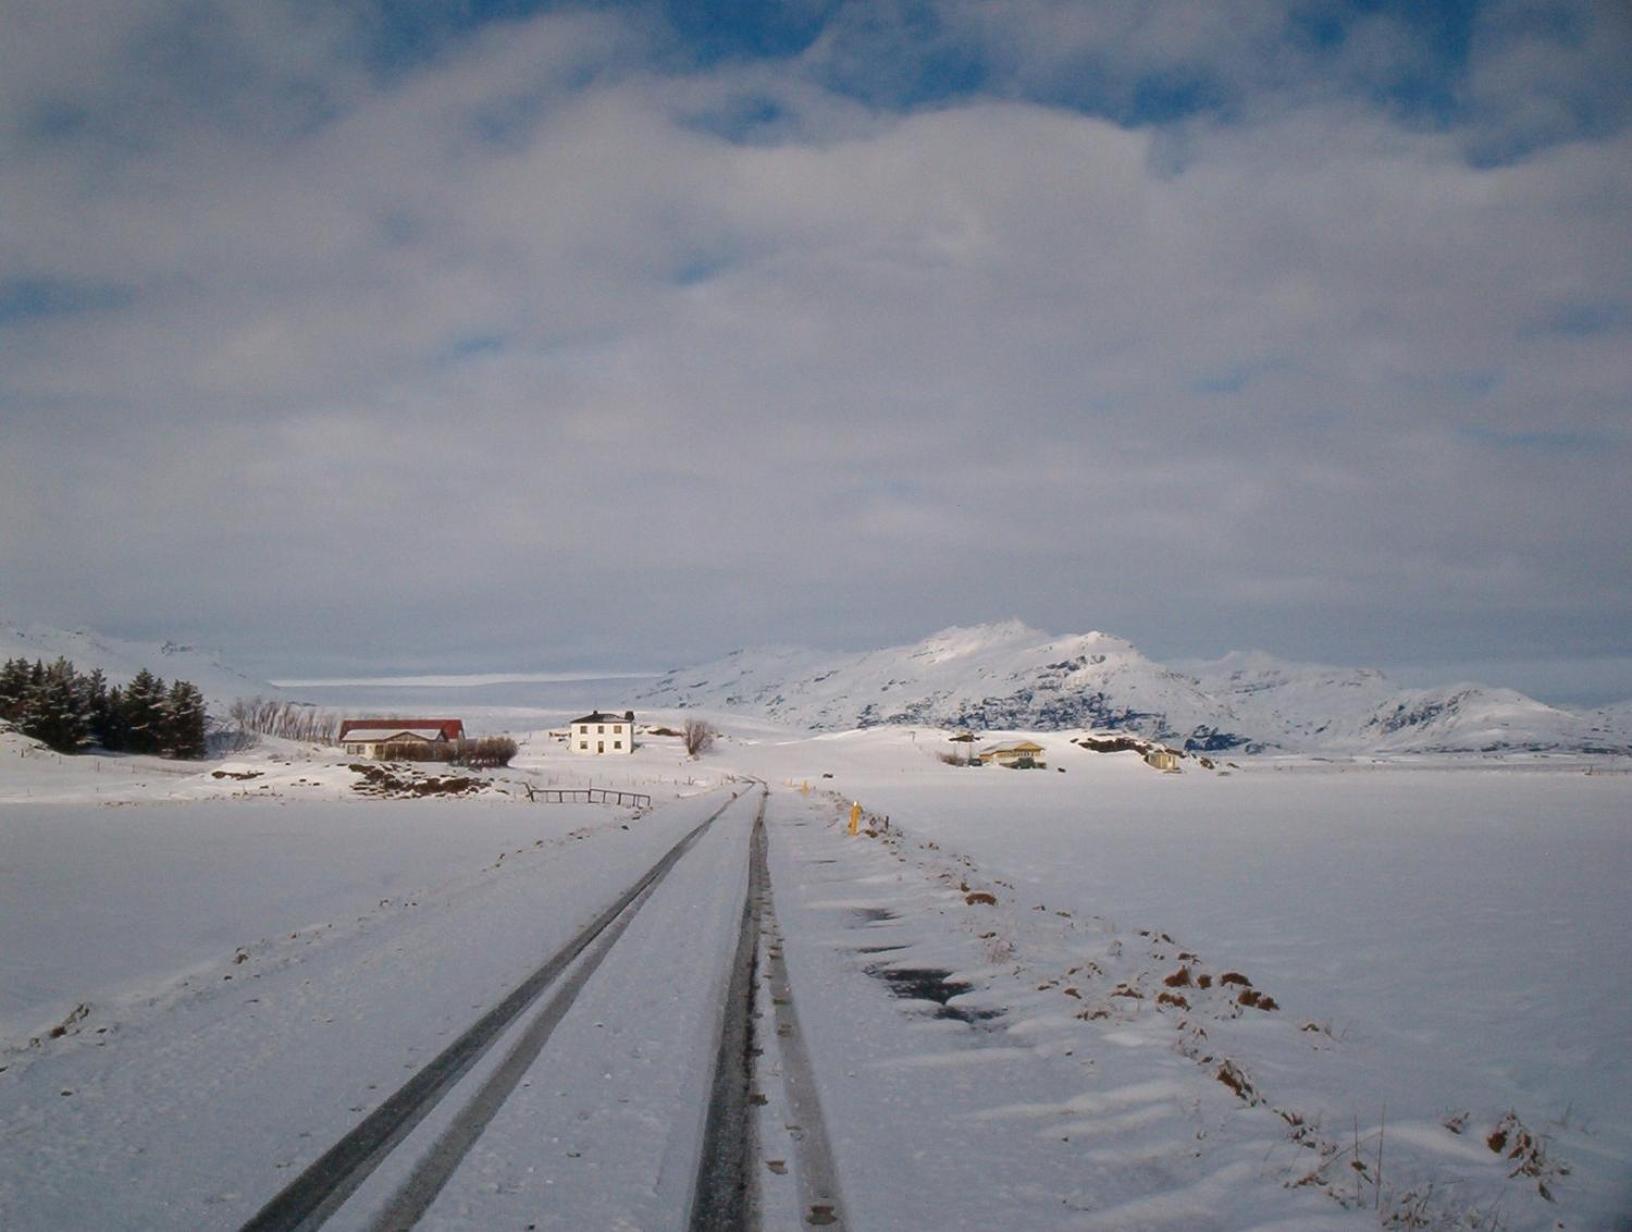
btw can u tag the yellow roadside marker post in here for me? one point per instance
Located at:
(855, 818)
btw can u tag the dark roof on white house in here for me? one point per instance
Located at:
(449, 729)
(628, 716)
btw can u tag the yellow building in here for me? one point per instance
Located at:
(1163, 759)
(1019, 754)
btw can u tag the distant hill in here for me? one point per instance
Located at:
(120, 660)
(1007, 675)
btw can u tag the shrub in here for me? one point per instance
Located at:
(488, 751)
(416, 750)
(699, 737)
(478, 754)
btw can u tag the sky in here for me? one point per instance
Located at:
(361, 336)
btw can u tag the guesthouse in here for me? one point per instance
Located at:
(602, 733)
(367, 737)
(1019, 755)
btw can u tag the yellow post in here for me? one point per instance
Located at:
(855, 818)
(804, 788)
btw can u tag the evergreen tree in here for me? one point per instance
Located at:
(59, 709)
(143, 713)
(13, 689)
(100, 703)
(33, 696)
(184, 722)
(31, 706)
(110, 729)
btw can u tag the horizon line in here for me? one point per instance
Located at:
(457, 680)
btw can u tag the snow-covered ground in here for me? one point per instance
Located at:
(1442, 941)
(121, 877)
(1451, 932)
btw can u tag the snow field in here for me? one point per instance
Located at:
(996, 1106)
(115, 906)
(194, 1116)
(113, 894)
(1449, 936)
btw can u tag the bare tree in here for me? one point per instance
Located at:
(699, 737)
(285, 719)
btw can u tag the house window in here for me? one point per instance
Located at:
(617, 729)
(617, 744)
(600, 730)
(583, 744)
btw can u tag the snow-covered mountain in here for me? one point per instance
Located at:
(120, 660)
(1355, 710)
(1003, 675)
(1007, 676)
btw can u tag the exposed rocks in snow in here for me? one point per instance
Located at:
(399, 782)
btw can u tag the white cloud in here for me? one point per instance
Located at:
(872, 374)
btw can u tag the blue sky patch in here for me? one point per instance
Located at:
(717, 30)
(1235, 378)
(24, 299)
(743, 120)
(698, 268)
(1586, 320)
(1544, 441)
(464, 347)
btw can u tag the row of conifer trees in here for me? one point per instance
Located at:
(71, 711)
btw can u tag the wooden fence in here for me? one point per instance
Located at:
(589, 795)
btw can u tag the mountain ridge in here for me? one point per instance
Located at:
(1006, 675)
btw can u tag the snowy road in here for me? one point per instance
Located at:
(198, 1116)
(331, 1179)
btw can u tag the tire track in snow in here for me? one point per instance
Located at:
(721, 1197)
(308, 1201)
(820, 1200)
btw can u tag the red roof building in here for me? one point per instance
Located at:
(377, 730)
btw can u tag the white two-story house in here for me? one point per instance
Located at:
(602, 733)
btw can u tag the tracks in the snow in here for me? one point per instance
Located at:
(817, 1175)
(723, 1198)
(325, 1185)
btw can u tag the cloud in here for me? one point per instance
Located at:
(541, 351)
